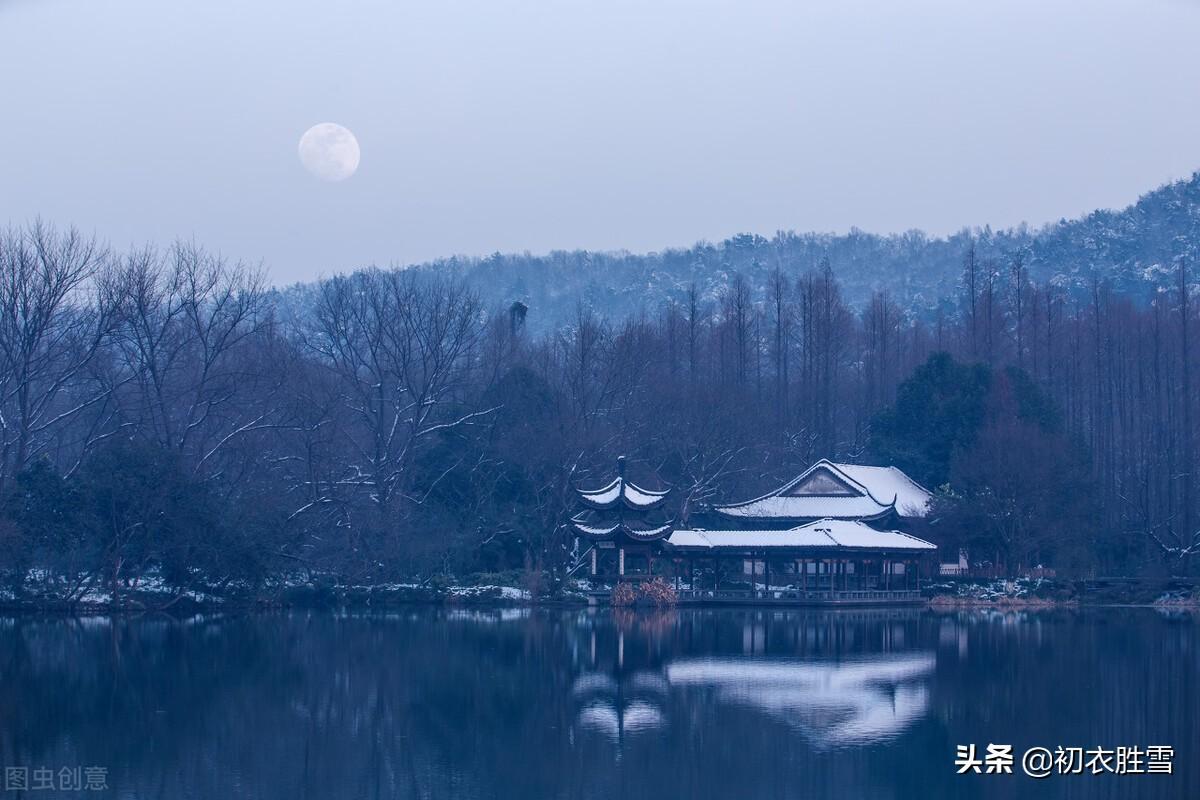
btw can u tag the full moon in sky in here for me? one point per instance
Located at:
(329, 151)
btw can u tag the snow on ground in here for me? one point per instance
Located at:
(503, 592)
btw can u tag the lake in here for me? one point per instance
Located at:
(520, 703)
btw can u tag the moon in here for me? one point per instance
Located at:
(329, 151)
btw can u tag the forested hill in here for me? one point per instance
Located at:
(1133, 249)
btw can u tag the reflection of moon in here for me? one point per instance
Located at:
(329, 151)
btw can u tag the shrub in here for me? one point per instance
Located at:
(658, 592)
(654, 592)
(623, 594)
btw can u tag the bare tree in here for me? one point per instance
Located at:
(184, 341)
(54, 316)
(401, 347)
(781, 315)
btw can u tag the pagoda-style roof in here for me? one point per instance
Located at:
(827, 490)
(824, 534)
(638, 531)
(622, 509)
(622, 492)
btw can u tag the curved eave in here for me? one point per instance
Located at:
(805, 548)
(596, 532)
(623, 501)
(604, 533)
(923, 508)
(838, 470)
(622, 492)
(731, 542)
(881, 514)
(649, 534)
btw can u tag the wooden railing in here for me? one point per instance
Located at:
(799, 595)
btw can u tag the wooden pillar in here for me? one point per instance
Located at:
(804, 574)
(767, 575)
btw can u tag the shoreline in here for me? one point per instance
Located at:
(192, 608)
(1163, 594)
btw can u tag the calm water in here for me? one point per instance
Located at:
(570, 704)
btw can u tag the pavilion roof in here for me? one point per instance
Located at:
(633, 529)
(824, 534)
(836, 491)
(621, 491)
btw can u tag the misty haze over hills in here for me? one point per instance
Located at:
(1134, 250)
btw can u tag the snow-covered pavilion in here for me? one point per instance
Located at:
(833, 533)
(622, 521)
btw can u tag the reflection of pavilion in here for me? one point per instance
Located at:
(832, 698)
(626, 704)
(869, 699)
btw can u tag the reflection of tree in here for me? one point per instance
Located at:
(432, 704)
(397, 704)
(105, 688)
(651, 622)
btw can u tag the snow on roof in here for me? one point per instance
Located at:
(596, 530)
(642, 497)
(633, 530)
(787, 538)
(885, 483)
(622, 490)
(639, 532)
(839, 491)
(825, 533)
(605, 495)
(807, 507)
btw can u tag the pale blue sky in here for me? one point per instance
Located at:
(613, 124)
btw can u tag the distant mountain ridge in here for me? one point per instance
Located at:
(1134, 250)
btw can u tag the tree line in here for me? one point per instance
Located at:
(164, 417)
